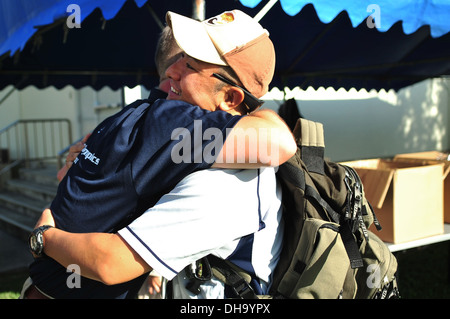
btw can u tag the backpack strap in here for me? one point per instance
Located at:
(310, 139)
(229, 274)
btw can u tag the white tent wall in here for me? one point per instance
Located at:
(363, 124)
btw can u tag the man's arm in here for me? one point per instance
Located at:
(259, 139)
(116, 258)
(109, 258)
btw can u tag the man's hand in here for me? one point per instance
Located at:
(154, 284)
(74, 150)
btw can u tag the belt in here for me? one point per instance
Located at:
(34, 293)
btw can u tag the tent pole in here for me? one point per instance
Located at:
(154, 16)
(198, 10)
(264, 10)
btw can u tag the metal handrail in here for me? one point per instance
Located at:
(34, 139)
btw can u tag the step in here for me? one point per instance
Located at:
(23, 199)
(22, 204)
(42, 175)
(16, 224)
(32, 189)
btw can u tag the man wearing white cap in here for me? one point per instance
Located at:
(233, 214)
(230, 39)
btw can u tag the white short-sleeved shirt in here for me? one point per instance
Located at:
(234, 214)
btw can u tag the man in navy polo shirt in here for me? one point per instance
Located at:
(136, 146)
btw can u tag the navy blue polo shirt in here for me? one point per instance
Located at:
(126, 166)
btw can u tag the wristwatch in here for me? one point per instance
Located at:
(36, 240)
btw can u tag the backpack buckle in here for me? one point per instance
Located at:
(244, 290)
(198, 273)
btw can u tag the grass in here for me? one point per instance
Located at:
(423, 274)
(11, 284)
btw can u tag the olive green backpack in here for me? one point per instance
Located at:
(328, 251)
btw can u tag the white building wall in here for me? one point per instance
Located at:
(10, 109)
(94, 106)
(84, 108)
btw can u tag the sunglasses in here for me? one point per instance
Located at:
(251, 102)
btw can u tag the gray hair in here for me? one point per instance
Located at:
(166, 49)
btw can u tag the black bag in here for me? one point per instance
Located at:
(328, 251)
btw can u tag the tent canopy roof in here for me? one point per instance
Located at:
(329, 44)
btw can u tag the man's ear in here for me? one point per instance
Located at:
(233, 97)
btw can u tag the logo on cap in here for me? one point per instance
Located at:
(221, 19)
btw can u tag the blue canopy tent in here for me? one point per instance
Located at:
(324, 43)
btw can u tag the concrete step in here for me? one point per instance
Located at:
(45, 174)
(23, 198)
(16, 224)
(16, 256)
(32, 189)
(22, 204)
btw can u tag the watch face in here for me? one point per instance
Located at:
(33, 243)
(36, 242)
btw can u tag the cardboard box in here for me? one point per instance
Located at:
(407, 198)
(432, 158)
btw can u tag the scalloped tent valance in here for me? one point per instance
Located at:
(324, 43)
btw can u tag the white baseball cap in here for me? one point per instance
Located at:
(230, 39)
